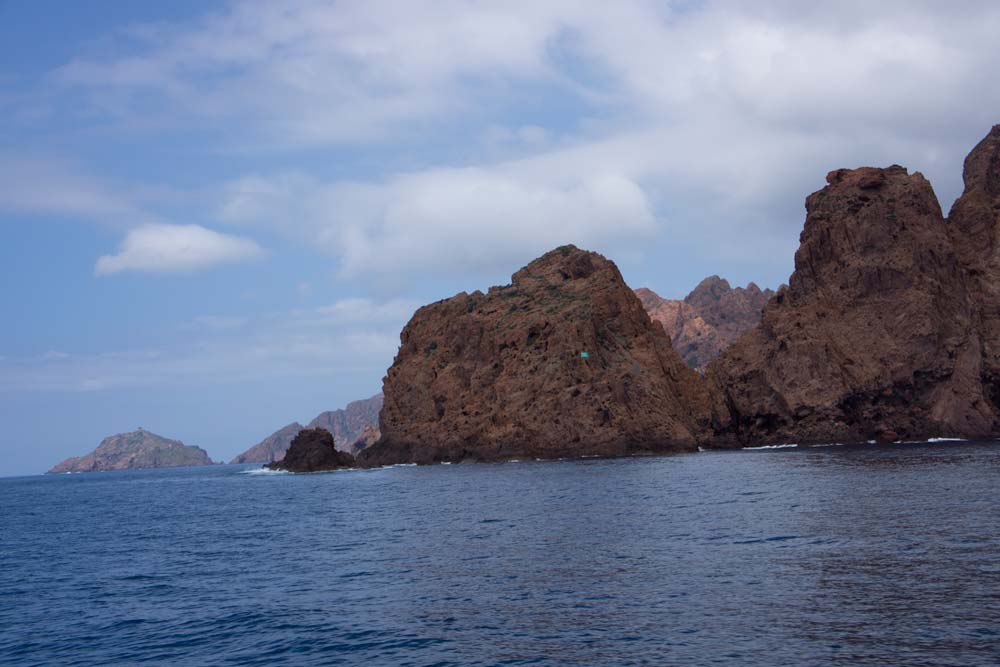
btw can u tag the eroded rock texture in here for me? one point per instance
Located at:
(562, 362)
(974, 225)
(877, 334)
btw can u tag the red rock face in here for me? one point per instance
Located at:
(562, 362)
(974, 226)
(876, 335)
(709, 319)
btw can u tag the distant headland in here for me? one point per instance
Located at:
(136, 449)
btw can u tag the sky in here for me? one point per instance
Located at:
(217, 216)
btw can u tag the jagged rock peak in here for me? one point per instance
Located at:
(981, 170)
(709, 289)
(874, 337)
(709, 319)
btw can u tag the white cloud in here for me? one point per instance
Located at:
(697, 123)
(449, 219)
(311, 72)
(159, 248)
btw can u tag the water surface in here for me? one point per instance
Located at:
(870, 555)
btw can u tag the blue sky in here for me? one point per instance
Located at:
(217, 216)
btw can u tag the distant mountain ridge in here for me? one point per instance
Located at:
(133, 450)
(357, 421)
(273, 447)
(347, 425)
(709, 319)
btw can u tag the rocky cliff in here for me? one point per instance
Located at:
(709, 319)
(878, 334)
(138, 449)
(564, 361)
(271, 448)
(974, 227)
(313, 450)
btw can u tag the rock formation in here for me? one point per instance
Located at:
(878, 334)
(347, 424)
(709, 319)
(562, 362)
(974, 227)
(313, 450)
(138, 449)
(272, 448)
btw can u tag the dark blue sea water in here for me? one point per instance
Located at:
(874, 555)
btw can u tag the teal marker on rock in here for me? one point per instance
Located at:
(585, 355)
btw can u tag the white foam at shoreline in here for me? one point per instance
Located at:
(264, 471)
(789, 445)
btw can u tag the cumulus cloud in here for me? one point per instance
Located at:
(322, 72)
(159, 248)
(698, 124)
(471, 217)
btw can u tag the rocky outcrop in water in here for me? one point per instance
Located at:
(562, 362)
(313, 450)
(878, 334)
(709, 319)
(348, 424)
(138, 449)
(271, 448)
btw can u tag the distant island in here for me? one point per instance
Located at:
(137, 449)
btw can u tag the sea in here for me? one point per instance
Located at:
(839, 555)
